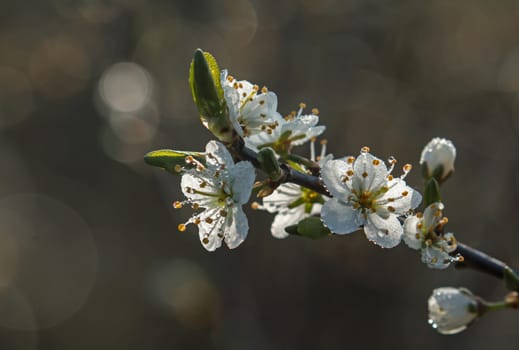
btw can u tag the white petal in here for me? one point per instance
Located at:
(285, 219)
(331, 173)
(340, 218)
(435, 258)
(411, 232)
(395, 197)
(208, 235)
(370, 171)
(386, 233)
(432, 215)
(219, 152)
(282, 197)
(242, 179)
(237, 229)
(192, 180)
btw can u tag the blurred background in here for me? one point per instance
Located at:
(89, 252)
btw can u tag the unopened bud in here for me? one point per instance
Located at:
(451, 310)
(437, 159)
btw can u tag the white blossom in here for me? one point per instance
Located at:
(293, 203)
(293, 130)
(366, 194)
(220, 188)
(451, 310)
(420, 233)
(439, 152)
(252, 110)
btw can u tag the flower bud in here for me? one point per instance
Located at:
(437, 159)
(451, 310)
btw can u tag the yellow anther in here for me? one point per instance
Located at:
(195, 206)
(177, 168)
(390, 177)
(364, 174)
(419, 215)
(244, 94)
(240, 85)
(255, 87)
(324, 142)
(262, 102)
(181, 227)
(208, 220)
(302, 105)
(264, 90)
(365, 149)
(350, 160)
(223, 213)
(407, 167)
(205, 240)
(391, 209)
(376, 162)
(177, 204)
(315, 111)
(255, 205)
(197, 221)
(349, 173)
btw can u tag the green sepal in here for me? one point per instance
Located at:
(172, 161)
(269, 163)
(311, 227)
(206, 88)
(432, 192)
(511, 279)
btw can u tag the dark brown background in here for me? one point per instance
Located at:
(89, 252)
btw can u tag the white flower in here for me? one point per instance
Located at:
(251, 110)
(293, 203)
(451, 310)
(438, 152)
(420, 233)
(366, 194)
(293, 130)
(220, 187)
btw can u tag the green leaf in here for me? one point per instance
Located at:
(432, 192)
(311, 227)
(206, 88)
(172, 161)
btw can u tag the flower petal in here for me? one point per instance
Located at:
(236, 228)
(332, 174)
(412, 235)
(217, 154)
(282, 197)
(340, 218)
(242, 175)
(386, 233)
(370, 173)
(285, 219)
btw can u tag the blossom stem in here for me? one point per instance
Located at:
(472, 258)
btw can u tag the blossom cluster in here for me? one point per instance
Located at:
(347, 193)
